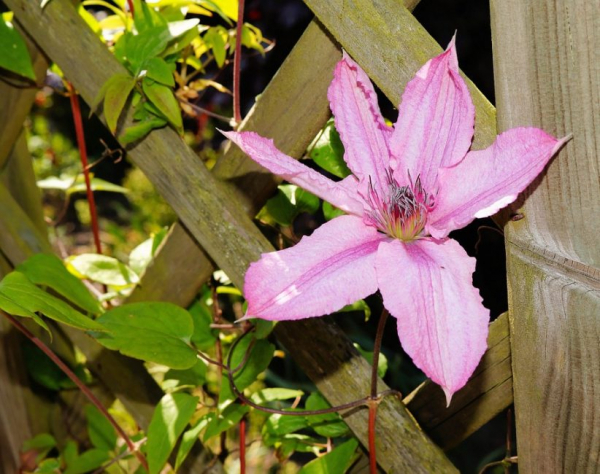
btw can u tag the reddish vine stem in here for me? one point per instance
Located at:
(80, 385)
(237, 63)
(76, 109)
(373, 399)
(243, 445)
(131, 9)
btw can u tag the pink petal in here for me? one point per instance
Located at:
(435, 121)
(427, 286)
(359, 122)
(333, 267)
(488, 180)
(264, 152)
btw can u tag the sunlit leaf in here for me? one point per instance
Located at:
(18, 288)
(331, 212)
(160, 71)
(141, 256)
(163, 98)
(338, 460)
(195, 376)
(151, 331)
(138, 49)
(14, 55)
(103, 269)
(171, 416)
(216, 39)
(289, 201)
(189, 438)
(72, 185)
(360, 305)
(275, 394)
(278, 425)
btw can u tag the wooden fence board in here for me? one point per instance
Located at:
(210, 213)
(547, 72)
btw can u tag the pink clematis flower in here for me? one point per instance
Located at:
(412, 185)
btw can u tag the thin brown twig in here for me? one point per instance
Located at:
(84, 389)
(202, 110)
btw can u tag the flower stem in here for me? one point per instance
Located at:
(76, 109)
(84, 389)
(373, 398)
(243, 445)
(237, 62)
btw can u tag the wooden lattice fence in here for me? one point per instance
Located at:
(216, 227)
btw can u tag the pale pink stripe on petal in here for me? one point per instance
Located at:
(263, 151)
(333, 267)
(442, 325)
(488, 180)
(435, 121)
(359, 122)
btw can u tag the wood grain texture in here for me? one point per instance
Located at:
(19, 178)
(547, 73)
(488, 393)
(211, 215)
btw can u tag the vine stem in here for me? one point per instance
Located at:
(237, 63)
(76, 109)
(80, 385)
(373, 398)
(243, 445)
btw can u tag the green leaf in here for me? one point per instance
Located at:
(164, 100)
(14, 55)
(16, 287)
(189, 438)
(228, 418)
(116, 96)
(71, 185)
(263, 328)
(103, 269)
(289, 201)
(152, 331)
(204, 337)
(329, 425)
(138, 49)
(102, 434)
(279, 425)
(331, 212)
(258, 361)
(42, 444)
(195, 376)
(140, 130)
(338, 460)
(252, 38)
(292, 442)
(49, 270)
(327, 151)
(48, 466)
(146, 17)
(88, 461)
(160, 71)
(141, 256)
(102, 92)
(181, 40)
(11, 307)
(70, 452)
(171, 416)
(382, 365)
(216, 39)
(275, 394)
(224, 8)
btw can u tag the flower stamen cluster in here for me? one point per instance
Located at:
(402, 212)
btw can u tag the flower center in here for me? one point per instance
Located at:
(402, 212)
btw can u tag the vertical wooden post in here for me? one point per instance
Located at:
(547, 71)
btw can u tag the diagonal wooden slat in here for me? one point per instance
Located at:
(213, 217)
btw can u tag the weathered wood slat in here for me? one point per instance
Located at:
(223, 230)
(547, 74)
